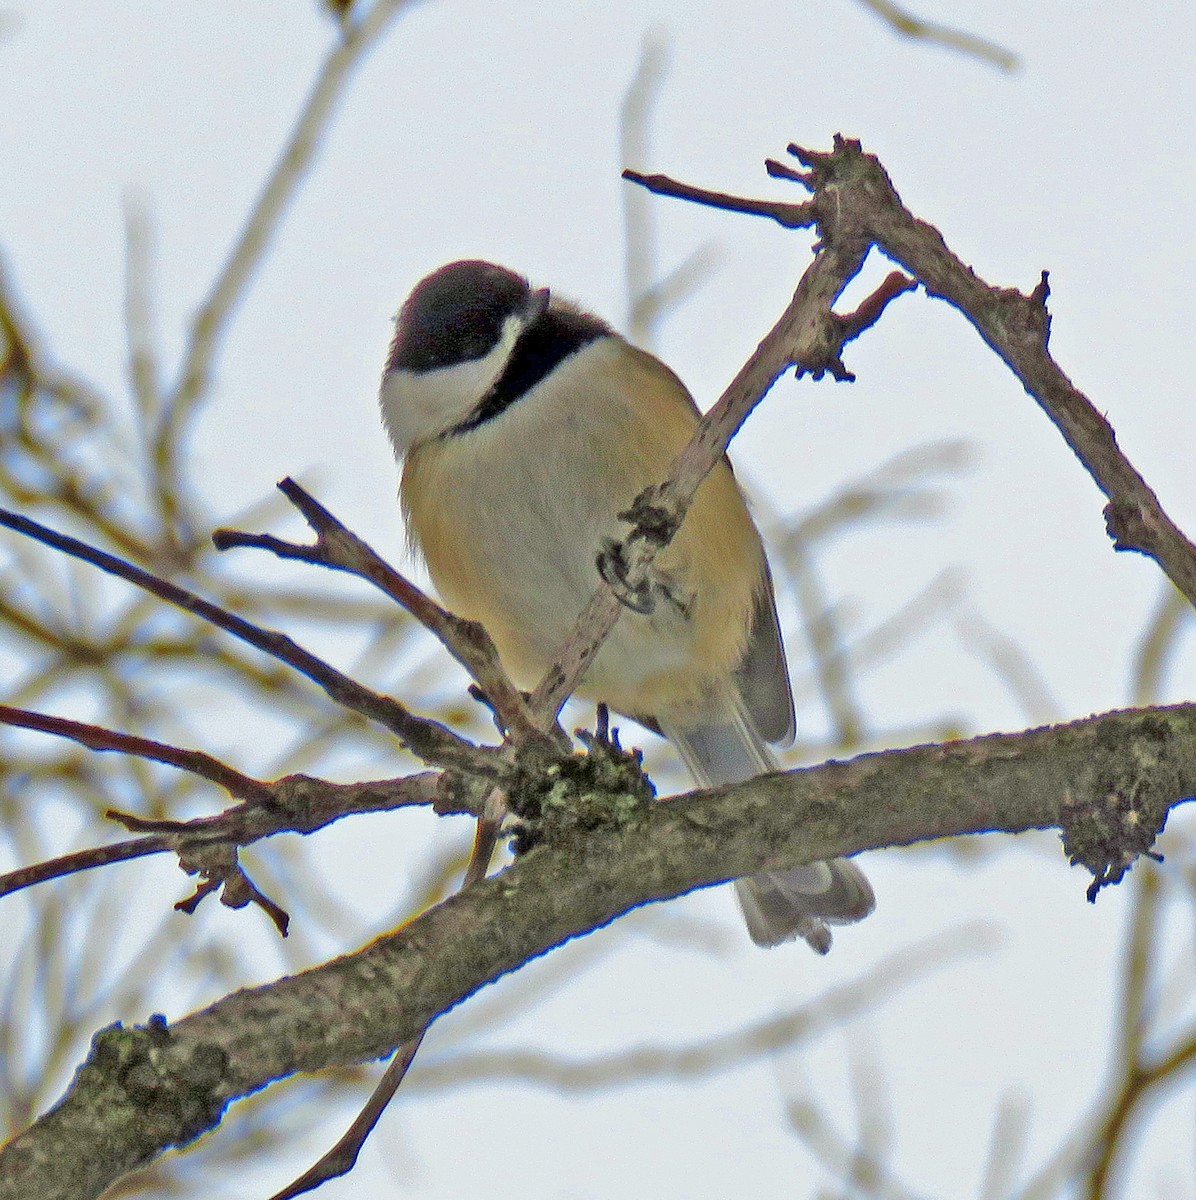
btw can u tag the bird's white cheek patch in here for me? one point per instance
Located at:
(419, 407)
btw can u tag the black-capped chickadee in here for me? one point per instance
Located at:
(526, 425)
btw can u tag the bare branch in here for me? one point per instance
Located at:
(295, 804)
(639, 235)
(808, 335)
(1006, 1148)
(905, 23)
(841, 1157)
(95, 737)
(872, 309)
(293, 163)
(430, 740)
(1158, 644)
(338, 548)
(1011, 664)
(790, 216)
(1137, 1087)
(828, 648)
(82, 860)
(361, 1005)
(1137, 974)
(854, 198)
(900, 488)
(342, 1157)
(139, 312)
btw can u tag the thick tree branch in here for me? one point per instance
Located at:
(1108, 782)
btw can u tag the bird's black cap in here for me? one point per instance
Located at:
(456, 315)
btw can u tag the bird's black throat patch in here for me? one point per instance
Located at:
(554, 336)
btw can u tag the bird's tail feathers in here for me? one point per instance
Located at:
(778, 906)
(726, 749)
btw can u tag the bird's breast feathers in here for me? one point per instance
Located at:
(510, 516)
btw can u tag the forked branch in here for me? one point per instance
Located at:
(853, 198)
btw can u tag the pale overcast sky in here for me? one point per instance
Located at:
(493, 130)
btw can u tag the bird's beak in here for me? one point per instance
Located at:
(537, 304)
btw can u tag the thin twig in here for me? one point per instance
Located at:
(872, 308)
(639, 234)
(297, 804)
(1138, 967)
(342, 1157)
(790, 216)
(1006, 1147)
(1010, 662)
(896, 490)
(338, 548)
(1090, 1153)
(1158, 644)
(81, 860)
(1127, 1104)
(467, 641)
(839, 1156)
(828, 649)
(430, 740)
(808, 335)
(96, 737)
(263, 221)
(906, 24)
(144, 369)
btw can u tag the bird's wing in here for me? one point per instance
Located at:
(762, 676)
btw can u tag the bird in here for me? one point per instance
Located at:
(525, 424)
